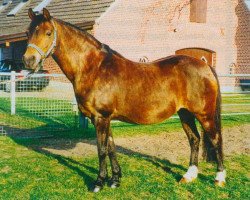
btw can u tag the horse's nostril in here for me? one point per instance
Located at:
(32, 58)
(29, 61)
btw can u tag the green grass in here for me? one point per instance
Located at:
(28, 174)
(242, 98)
(32, 116)
(37, 114)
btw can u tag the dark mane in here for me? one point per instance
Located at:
(40, 18)
(104, 46)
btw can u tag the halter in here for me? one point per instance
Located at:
(51, 50)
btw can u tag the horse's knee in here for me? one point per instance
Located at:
(103, 151)
(195, 141)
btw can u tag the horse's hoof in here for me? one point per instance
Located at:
(185, 180)
(115, 185)
(220, 183)
(115, 181)
(220, 179)
(190, 175)
(97, 189)
(98, 184)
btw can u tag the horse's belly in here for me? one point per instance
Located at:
(148, 114)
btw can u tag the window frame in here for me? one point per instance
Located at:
(198, 11)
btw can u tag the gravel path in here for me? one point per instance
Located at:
(171, 146)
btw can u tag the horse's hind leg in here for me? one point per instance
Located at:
(213, 138)
(188, 124)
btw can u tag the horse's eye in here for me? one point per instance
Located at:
(48, 33)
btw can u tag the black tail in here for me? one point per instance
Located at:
(208, 149)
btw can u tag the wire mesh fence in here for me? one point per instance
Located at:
(235, 94)
(45, 103)
(41, 103)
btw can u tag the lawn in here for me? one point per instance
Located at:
(30, 173)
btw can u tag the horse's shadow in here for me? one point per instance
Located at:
(164, 164)
(70, 163)
(76, 166)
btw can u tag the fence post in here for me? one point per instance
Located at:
(83, 121)
(13, 92)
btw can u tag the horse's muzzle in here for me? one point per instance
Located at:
(31, 62)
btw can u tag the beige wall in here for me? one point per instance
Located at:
(156, 28)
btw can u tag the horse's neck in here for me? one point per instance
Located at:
(76, 53)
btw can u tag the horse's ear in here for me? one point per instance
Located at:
(46, 14)
(31, 14)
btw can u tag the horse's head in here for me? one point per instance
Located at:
(42, 37)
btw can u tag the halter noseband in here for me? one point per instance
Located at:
(51, 50)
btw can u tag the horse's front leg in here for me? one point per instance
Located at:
(116, 170)
(102, 126)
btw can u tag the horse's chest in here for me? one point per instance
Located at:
(95, 103)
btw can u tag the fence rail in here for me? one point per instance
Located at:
(46, 102)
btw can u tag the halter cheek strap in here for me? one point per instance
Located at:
(40, 51)
(51, 50)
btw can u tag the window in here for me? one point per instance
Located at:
(5, 4)
(198, 11)
(144, 59)
(19, 6)
(42, 5)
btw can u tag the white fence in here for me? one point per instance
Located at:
(46, 103)
(235, 94)
(38, 103)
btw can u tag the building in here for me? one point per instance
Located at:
(216, 31)
(145, 30)
(14, 22)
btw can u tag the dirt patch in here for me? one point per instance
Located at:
(171, 146)
(5, 170)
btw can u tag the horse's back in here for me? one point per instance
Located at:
(181, 62)
(186, 69)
